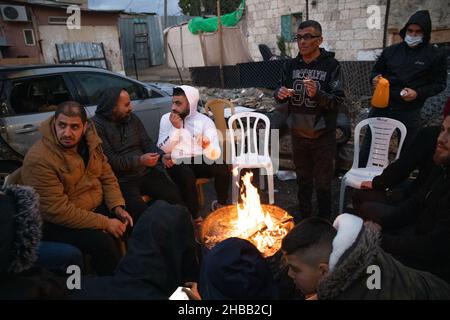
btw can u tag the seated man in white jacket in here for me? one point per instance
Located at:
(191, 145)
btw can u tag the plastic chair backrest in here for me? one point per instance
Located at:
(382, 130)
(217, 107)
(248, 133)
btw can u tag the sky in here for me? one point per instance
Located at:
(137, 6)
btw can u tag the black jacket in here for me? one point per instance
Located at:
(123, 142)
(419, 155)
(160, 258)
(20, 235)
(428, 211)
(422, 68)
(349, 279)
(311, 117)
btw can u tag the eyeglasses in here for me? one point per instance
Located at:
(306, 37)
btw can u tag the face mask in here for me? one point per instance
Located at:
(413, 41)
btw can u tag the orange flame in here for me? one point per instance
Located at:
(251, 217)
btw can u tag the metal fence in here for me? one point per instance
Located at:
(86, 53)
(141, 38)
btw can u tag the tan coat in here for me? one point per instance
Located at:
(68, 191)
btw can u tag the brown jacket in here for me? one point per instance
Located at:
(68, 191)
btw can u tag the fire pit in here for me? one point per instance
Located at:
(263, 225)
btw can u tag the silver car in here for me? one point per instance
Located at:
(29, 95)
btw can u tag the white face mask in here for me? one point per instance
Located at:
(413, 41)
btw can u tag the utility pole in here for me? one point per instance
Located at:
(165, 14)
(219, 29)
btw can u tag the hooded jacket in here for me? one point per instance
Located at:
(69, 191)
(160, 258)
(422, 68)
(20, 235)
(310, 117)
(123, 142)
(428, 211)
(357, 260)
(183, 142)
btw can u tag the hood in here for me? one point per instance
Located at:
(193, 95)
(47, 130)
(235, 270)
(107, 101)
(423, 19)
(20, 228)
(354, 248)
(323, 55)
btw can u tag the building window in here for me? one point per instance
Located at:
(28, 36)
(289, 25)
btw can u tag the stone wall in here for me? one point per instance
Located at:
(344, 23)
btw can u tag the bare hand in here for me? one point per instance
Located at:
(115, 227)
(366, 185)
(167, 161)
(123, 216)
(375, 80)
(192, 291)
(410, 95)
(284, 93)
(176, 120)
(205, 142)
(149, 159)
(311, 87)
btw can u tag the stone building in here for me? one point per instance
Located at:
(345, 23)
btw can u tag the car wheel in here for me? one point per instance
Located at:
(7, 167)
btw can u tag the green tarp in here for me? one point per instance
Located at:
(200, 24)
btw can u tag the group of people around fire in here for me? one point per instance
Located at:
(89, 187)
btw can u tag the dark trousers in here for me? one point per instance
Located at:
(314, 165)
(410, 118)
(156, 184)
(186, 174)
(101, 246)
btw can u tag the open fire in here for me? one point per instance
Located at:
(263, 225)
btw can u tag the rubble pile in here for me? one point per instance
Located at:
(254, 98)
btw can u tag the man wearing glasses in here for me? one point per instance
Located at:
(312, 87)
(416, 70)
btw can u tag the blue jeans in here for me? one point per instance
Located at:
(57, 256)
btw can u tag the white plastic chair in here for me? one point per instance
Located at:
(382, 130)
(249, 156)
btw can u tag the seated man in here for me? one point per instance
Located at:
(417, 231)
(344, 261)
(79, 194)
(392, 186)
(185, 136)
(131, 153)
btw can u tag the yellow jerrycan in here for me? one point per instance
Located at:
(380, 98)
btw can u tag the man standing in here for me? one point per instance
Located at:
(79, 195)
(191, 144)
(416, 70)
(312, 87)
(132, 154)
